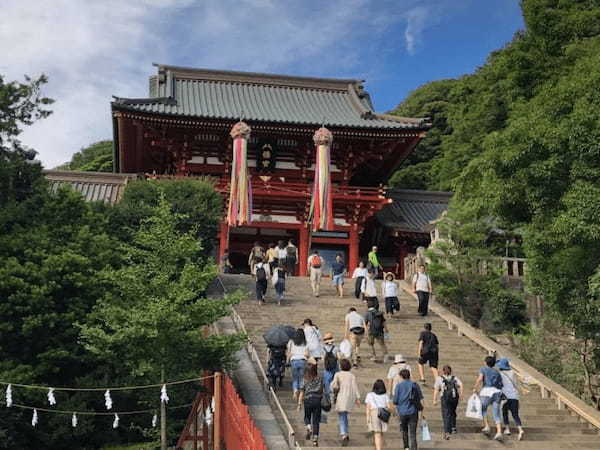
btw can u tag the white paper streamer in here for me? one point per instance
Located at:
(212, 404)
(34, 419)
(163, 394)
(208, 416)
(51, 398)
(107, 400)
(116, 421)
(154, 420)
(74, 420)
(9, 396)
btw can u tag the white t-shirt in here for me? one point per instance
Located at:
(395, 370)
(377, 401)
(360, 272)
(354, 319)
(281, 253)
(368, 287)
(509, 384)
(296, 351)
(439, 383)
(313, 341)
(390, 289)
(422, 280)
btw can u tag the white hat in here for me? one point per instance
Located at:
(399, 359)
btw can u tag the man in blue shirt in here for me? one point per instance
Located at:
(408, 399)
(338, 269)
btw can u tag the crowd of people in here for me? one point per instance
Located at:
(321, 370)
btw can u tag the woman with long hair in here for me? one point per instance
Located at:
(310, 396)
(297, 354)
(347, 394)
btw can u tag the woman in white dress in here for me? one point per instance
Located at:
(374, 400)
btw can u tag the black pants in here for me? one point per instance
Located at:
(261, 289)
(408, 427)
(423, 302)
(357, 286)
(392, 304)
(449, 414)
(511, 405)
(312, 414)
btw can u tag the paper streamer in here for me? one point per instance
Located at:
(74, 420)
(208, 417)
(34, 419)
(321, 204)
(163, 394)
(116, 421)
(154, 420)
(107, 400)
(239, 211)
(9, 396)
(51, 398)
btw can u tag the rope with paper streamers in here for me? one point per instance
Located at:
(321, 205)
(239, 211)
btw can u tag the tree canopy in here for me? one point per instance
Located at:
(96, 157)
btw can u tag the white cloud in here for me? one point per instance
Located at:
(92, 50)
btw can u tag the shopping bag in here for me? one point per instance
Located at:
(346, 348)
(474, 407)
(425, 434)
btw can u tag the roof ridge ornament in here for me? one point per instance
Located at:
(323, 137)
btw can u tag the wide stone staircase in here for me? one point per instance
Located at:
(546, 427)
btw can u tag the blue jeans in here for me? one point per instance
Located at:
(327, 379)
(495, 402)
(343, 422)
(298, 366)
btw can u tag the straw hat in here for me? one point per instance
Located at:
(311, 360)
(328, 337)
(389, 274)
(399, 359)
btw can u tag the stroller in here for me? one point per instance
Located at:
(276, 366)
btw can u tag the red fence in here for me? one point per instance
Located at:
(232, 426)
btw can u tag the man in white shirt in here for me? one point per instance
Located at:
(422, 287)
(315, 271)
(369, 290)
(354, 330)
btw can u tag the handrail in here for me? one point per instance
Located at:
(548, 387)
(239, 325)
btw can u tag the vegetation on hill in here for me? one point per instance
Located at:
(96, 157)
(519, 140)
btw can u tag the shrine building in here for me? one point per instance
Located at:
(186, 127)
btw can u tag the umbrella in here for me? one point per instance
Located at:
(279, 335)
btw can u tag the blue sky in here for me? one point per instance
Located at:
(92, 50)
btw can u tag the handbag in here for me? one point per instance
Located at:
(383, 414)
(474, 408)
(358, 330)
(326, 402)
(425, 433)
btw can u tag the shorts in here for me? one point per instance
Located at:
(338, 280)
(431, 358)
(315, 274)
(371, 339)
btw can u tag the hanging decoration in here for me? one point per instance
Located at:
(163, 394)
(34, 419)
(321, 205)
(240, 195)
(51, 398)
(74, 420)
(9, 396)
(107, 400)
(208, 417)
(154, 420)
(116, 421)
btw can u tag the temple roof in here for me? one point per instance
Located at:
(94, 186)
(413, 210)
(180, 91)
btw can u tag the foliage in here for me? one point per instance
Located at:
(197, 202)
(97, 157)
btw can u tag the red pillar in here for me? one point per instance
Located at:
(353, 249)
(303, 250)
(223, 238)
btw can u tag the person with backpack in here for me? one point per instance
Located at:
(315, 268)
(310, 396)
(422, 287)
(261, 275)
(369, 290)
(276, 365)
(393, 375)
(376, 401)
(346, 396)
(281, 254)
(278, 280)
(491, 384)
(291, 258)
(359, 274)
(376, 332)
(510, 389)
(271, 256)
(451, 390)
(331, 355)
(256, 252)
(389, 291)
(408, 399)
(428, 351)
(354, 330)
(338, 270)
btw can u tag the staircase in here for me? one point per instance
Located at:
(546, 427)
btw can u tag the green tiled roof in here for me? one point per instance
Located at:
(94, 186)
(413, 210)
(214, 94)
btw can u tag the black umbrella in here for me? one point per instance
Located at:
(279, 335)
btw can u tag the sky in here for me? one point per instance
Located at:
(92, 50)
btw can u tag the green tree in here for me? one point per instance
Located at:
(152, 322)
(97, 157)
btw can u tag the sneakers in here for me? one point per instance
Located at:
(521, 433)
(507, 431)
(485, 430)
(308, 432)
(345, 440)
(498, 437)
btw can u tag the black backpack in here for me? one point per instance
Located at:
(431, 346)
(261, 273)
(377, 323)
(330, 360)
(450, 389)
(290, 251)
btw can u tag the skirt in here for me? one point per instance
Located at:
(376, 424)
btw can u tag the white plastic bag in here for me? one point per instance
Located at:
(474, 407)
(425, 434)
(346, 348)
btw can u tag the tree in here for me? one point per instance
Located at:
(97, 157)
(152, 322)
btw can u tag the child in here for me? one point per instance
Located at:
(360, 273)
(276, 365)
